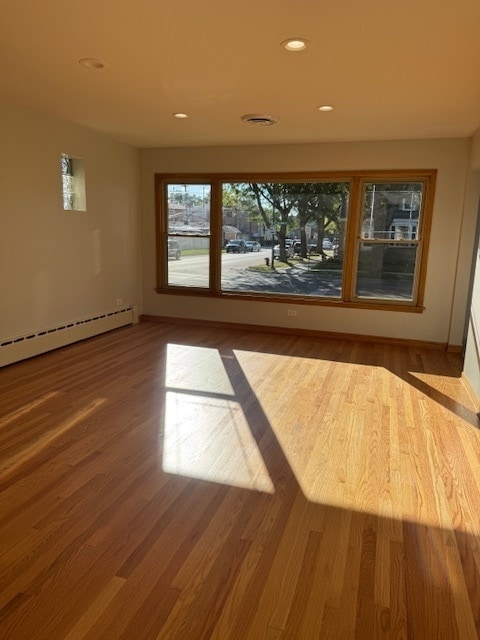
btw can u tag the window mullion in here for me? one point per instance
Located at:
(161, 231)
(216, 236)
(351, 245)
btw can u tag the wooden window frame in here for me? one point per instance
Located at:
(357, 181)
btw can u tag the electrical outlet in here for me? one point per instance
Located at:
(119, 302)
(292, 313)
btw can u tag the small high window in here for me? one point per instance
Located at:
(73, 183)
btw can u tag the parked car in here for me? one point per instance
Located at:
(236, 246)
(174, 250)
(253, 245)
(297, 248)
(326, 244)
(288, 250)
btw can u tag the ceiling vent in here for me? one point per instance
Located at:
(259, 119)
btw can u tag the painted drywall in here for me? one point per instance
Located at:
(472, 350)
(466, 255)
(472, 346)
(445, 294)
(59, 266)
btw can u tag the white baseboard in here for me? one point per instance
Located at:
(33, 344)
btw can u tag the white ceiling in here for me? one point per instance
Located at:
(393, 69)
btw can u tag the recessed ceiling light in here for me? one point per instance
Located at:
(92, 63)
(259, 119)
(295, 44)
(325, 107)
(180, 116)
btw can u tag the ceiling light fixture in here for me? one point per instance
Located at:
(295, 44)
(259, 119)
(325, 107)
(92, 63)
(180, 116)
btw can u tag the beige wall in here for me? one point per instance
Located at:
(446, 285)
(472, 349)
(58, 266)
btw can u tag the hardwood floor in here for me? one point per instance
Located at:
(174, 483)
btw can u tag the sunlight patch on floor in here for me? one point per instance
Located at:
(232, 414)
(208, 438)
(196, 369)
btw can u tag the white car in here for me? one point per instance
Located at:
(236, 246)
(288, 250)
(253, 245)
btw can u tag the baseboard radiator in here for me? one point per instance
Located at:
(33, 344)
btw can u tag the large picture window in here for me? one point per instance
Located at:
(345, 239)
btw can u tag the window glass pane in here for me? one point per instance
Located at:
(188, 261)
(391, 211)
(386, 271)
(73, 183)
(189, 208)
(188, 242)
(284, 238)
